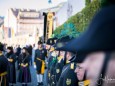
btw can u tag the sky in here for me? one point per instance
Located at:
(33, 4)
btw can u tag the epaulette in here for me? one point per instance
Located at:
(72, 66)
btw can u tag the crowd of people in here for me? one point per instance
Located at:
(22, 59)
(11, 56)
(87, 60)
(84, 61)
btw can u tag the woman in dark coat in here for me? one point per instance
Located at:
(24, 72)
(11, 69)
(3, 68)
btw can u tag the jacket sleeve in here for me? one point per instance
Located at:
(14, 58)
(35, 56)
(45, 52)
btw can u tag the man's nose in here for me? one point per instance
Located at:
(76, 70)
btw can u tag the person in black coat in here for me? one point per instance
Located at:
(51, 71)
(11, 69)
(18, 52)
(68, 76)
(49, 63)
(24, 72)
(30, 53)
(59, 66)
(3, 68)
(39, 62)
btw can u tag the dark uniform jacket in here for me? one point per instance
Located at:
(52, 71)
(3, 71)
(68, 76)
(39, 57)
(11, 68)
(58, 69)
(50, 59)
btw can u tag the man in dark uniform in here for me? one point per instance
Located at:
(59, 66)
(52, 68)
(51, 60)
(68, 77)
(3, 68)
(39, 61)
(98, 42)
(81, 75)
(57, 70)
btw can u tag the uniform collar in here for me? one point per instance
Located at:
(40, 48)
(84, 83)
(67, 61)
(59, 58)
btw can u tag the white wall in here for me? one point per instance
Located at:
(70, 8)
(61, 15)
(10, 21)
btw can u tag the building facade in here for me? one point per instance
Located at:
(70, 8)
(1, 28)
(20, 22)
(25, 26)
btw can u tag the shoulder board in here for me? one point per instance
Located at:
(72, 66)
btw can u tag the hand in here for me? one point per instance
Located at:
(35, 66)
(24, 65)
(10, 60)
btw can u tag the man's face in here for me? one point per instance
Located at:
(53, 54)
(15, 50)
(39, 46)
(8, 50)
(47, 47)
(23, 51)
(62, 53)
(93, 64)
(80, 71)
(68, 56)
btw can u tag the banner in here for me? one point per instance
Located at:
(50, 24)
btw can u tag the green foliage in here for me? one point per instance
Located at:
(68, 29)
(82, 19)
(87, 2)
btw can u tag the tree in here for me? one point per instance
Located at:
(68, 29)
(87, 2)
(80, 20)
